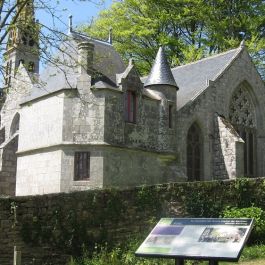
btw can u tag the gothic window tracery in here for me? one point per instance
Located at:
(242, 115)
(241, 111)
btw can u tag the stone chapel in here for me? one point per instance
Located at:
(94, 122)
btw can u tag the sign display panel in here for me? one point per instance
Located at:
(197, 238)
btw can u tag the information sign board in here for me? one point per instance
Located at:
(197, 238)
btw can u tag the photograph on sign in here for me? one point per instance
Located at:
(197, 237)
(222, 235)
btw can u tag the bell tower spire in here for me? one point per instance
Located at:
(23, 41)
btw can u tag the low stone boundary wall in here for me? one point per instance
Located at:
(49, 229)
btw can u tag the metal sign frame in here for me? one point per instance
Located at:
(213, 239)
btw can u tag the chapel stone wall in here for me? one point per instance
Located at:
(83, 118)
(96, 171)
(216, 99)
(125, 167)
(8, 166)
(141, 134)
(229, 151)
(41, 123)
(39, 173)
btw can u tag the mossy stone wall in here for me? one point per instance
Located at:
(49, 229)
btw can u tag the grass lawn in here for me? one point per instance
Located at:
(251, 255)
(252, 262)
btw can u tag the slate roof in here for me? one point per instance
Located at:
(193, 78)
(160, 73)
(107, 62)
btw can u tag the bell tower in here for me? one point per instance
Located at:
(23, 42)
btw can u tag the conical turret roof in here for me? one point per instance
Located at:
(160, 73)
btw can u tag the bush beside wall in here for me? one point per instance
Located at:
(49, 229)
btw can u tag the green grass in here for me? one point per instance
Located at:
(254, 262)
(251, 255)
(254, 255)
(253, 252)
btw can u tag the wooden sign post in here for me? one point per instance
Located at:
(17, 256)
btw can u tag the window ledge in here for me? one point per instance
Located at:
(81, 182)
(130, 122)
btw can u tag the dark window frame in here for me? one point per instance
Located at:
(170, 116)
(130, 106)
(81, 166)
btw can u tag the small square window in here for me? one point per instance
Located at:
(130, 106)
(82, 166)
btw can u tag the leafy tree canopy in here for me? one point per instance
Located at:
(189, 29)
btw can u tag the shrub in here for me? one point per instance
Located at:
(258, 232)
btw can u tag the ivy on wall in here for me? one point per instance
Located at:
(76, 221)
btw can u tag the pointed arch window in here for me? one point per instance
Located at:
(7, 73)
(31, 67)
(194, 153)
(25, 39)
(31, 42)
(242, 115)
(21, 61)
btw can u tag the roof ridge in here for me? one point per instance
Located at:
(227, 65)
(82, 35)
(207, 58)
(220, 72)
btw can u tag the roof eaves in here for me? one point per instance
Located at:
(76, 34)
(53, 93)
(204, 59)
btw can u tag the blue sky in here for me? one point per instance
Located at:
(82, 12)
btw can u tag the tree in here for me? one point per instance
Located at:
(18, 15)
(231, 21)
(190, 29)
